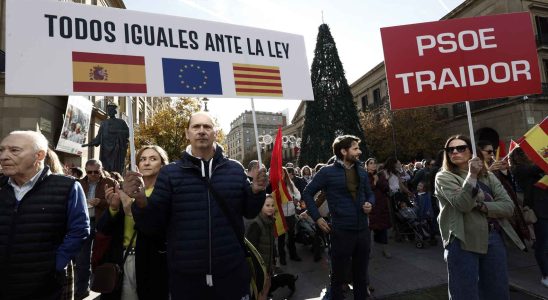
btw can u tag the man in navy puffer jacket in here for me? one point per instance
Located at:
(350, 199)
(205, 258)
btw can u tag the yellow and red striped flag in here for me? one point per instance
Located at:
(535, 145)
(279, 189)
(501, 150)
(542, 183)
(108, 73)
(257, 80)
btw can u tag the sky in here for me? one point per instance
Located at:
(355, 26)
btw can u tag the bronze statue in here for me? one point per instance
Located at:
(113, 138)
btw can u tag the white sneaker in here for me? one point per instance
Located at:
(544, 281)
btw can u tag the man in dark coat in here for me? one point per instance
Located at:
(205, 258)
(350, 200)
(43, 220)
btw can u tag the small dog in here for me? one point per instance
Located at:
(281, 280)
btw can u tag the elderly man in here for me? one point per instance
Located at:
(43, 220)
(205, 257)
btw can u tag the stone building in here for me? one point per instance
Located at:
(504, 119)
(241, 138)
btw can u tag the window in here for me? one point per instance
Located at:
(377, 101)
(542, 30)
(364, 102)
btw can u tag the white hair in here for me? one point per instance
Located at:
(39, 140)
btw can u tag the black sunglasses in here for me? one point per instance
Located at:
(489, 151)
(93, 172)
(460, 149)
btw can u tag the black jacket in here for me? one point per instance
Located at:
(30, 233)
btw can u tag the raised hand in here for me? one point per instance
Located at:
(260, 181)
(134, 186)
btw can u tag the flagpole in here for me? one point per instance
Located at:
(131, 133)
(256, 133)
(471, 129)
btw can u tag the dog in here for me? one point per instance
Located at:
(281, 280)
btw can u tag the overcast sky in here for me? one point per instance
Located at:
(354, 25)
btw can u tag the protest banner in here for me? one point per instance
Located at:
(65, 48)
(457, 60)
(75, 125)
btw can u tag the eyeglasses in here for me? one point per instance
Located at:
(459, 149)
(488, 151)
(93, 172)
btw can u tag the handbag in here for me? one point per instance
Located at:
(529, 215)
(255, 262)
(107, 277)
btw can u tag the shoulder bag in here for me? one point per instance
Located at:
(108, 277)
(255, 262)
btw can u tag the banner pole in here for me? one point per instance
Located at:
(256, 134)
(131, 133)
(471, 129)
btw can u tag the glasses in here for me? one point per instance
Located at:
(490, 152)
(93, 172)
(459, 149)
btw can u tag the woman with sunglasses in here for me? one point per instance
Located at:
(474, 208)
(145, 266)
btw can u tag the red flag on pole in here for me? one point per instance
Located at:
(279, 189)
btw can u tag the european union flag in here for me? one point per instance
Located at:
(184, 76)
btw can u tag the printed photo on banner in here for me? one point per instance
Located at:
(75, 125)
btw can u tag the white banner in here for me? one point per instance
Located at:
(64, 48)
(76, 125)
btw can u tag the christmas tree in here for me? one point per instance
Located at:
(333, 112)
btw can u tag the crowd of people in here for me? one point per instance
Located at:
(175, 230)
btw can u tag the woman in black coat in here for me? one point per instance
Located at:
(145, 269)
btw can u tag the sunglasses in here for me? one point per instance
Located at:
(459, 149)
(92, 172)
(488, 151)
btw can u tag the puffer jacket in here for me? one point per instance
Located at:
(199, 236)
(346, 213)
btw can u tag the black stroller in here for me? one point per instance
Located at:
(407, 224)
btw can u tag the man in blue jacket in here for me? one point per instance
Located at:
(350, 199)
(205, 259)
(43, 220)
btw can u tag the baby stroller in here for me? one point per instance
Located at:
(407, 223)
(305, 231)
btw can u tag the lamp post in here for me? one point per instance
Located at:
(288, 141)
(205, 100)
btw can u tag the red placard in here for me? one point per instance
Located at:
(461, 60)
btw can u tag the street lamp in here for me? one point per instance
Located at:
(288, 141)
(205, 100)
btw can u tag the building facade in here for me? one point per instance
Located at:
(241, 141)
(46, 113)
(493, 119)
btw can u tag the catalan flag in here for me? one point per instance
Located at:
(257, 80)
(279, 189)
(108, 73)
(535, 145)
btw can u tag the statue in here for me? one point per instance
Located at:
(113, 138)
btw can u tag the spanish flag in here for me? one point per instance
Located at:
(279, 189)
(542, 183)
(535, 145)
(108, 73)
